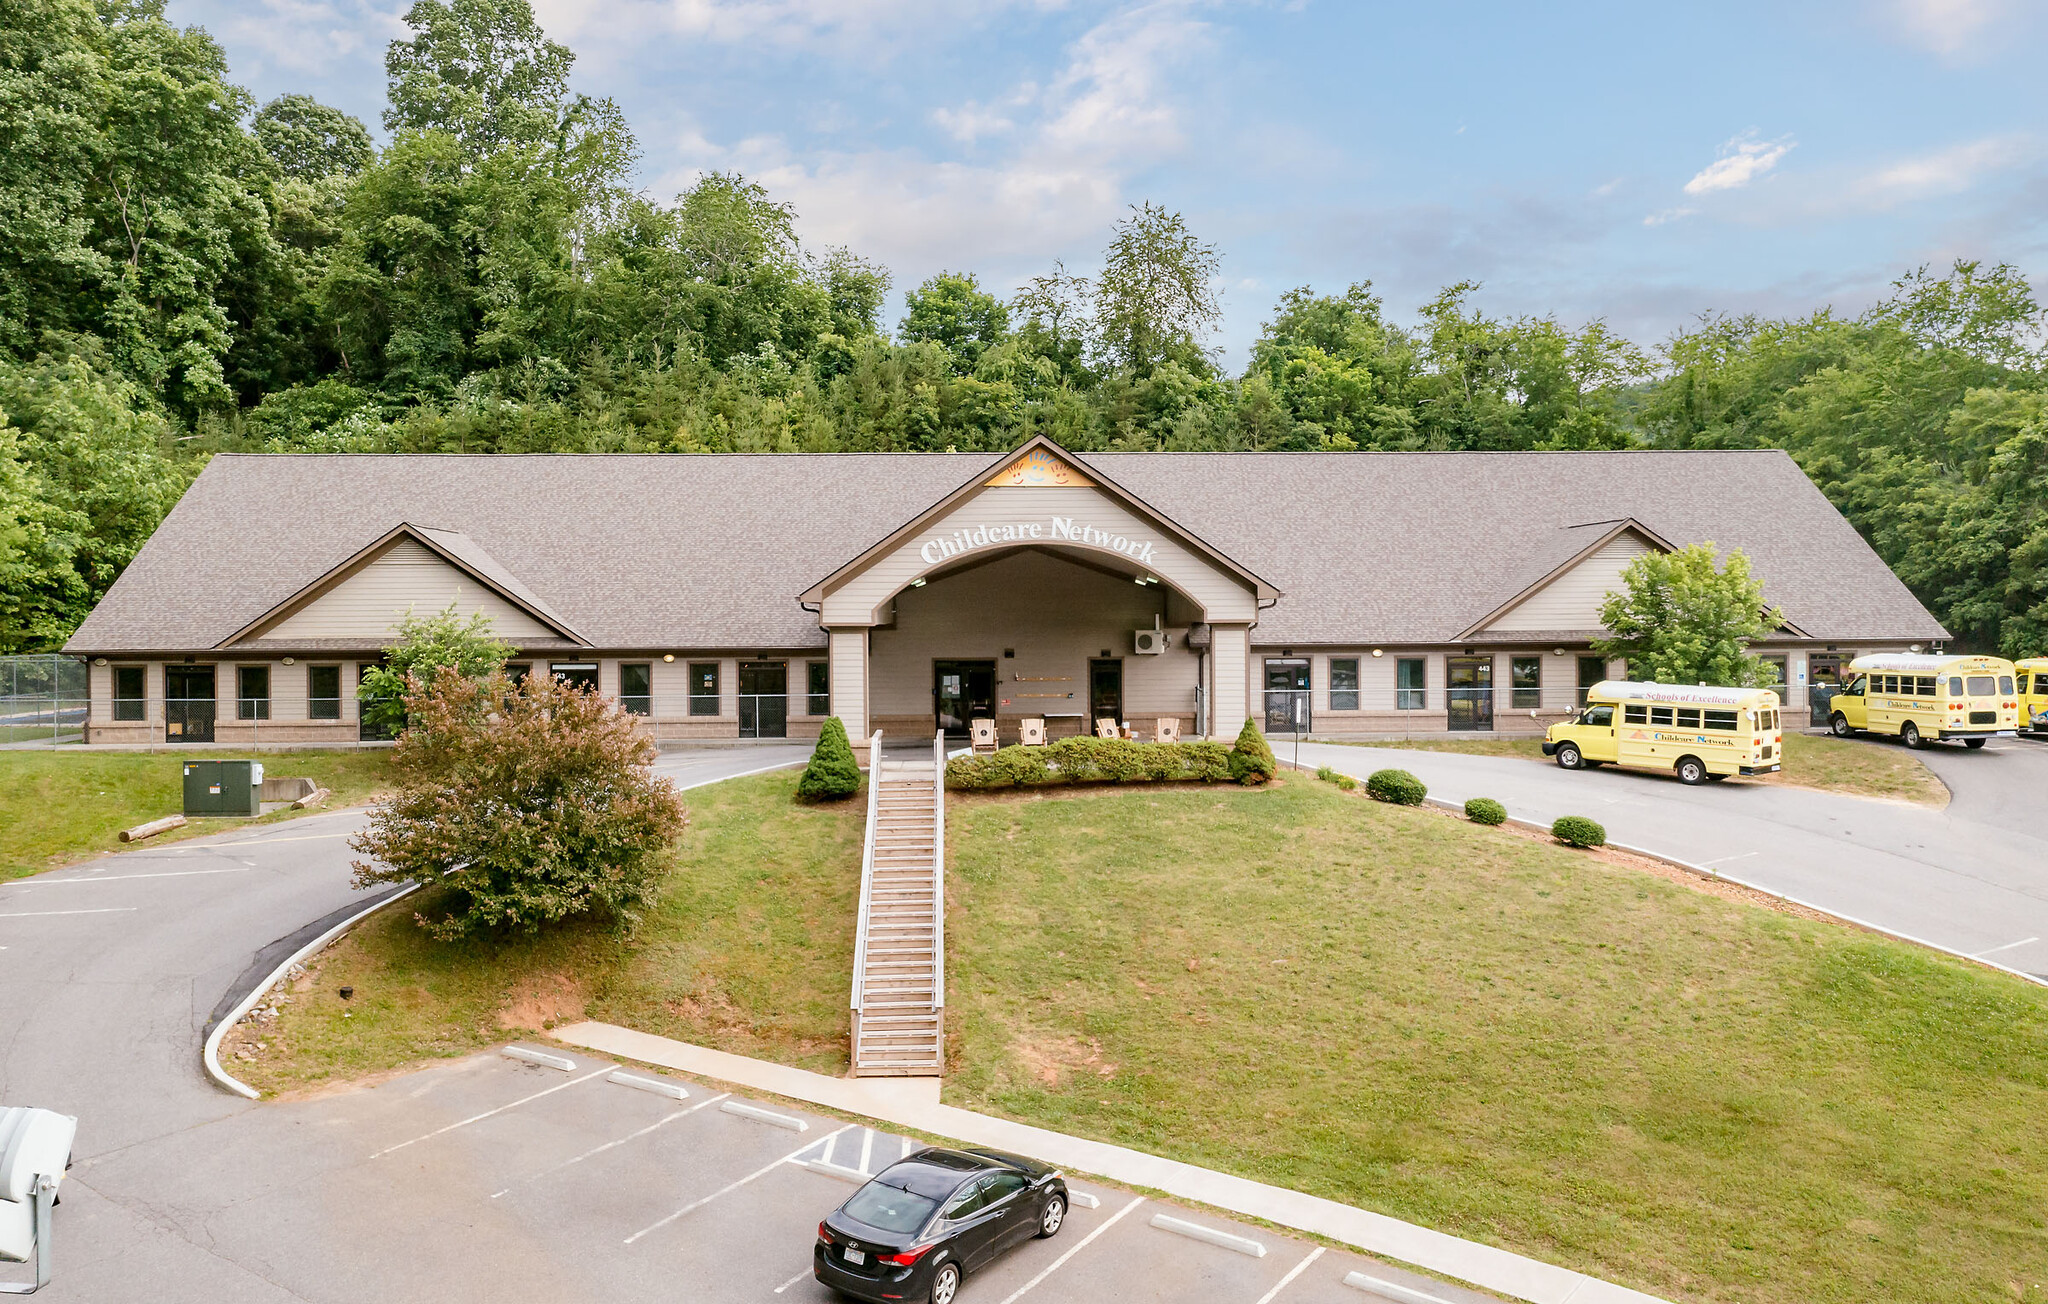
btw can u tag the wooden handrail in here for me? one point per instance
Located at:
(939, 871)
(867, 868)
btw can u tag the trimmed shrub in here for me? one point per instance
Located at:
(1347, 783)
(1326, 774)
(1485, 810)
(1251, 761)
(1090, 760)
(832, 774)
(1578, 831)
(1396, 786)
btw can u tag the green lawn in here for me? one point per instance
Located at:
(62, 805)
(1862, 767)
(1502, 1039)
(750, 950)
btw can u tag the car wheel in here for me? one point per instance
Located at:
(1568, 757)
(1691, 770)
(1909, 734)
(1049, 1221)
(1840, 725)
(946, 1284)
(1973, 743)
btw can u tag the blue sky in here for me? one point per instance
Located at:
(1640, 163)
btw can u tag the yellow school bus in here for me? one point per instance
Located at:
(2033, 694)
(1923, 695)
(1697, 732)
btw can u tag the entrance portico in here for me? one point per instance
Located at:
(1045, 591)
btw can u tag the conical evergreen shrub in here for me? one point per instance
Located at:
(832, 773)
(1251, 761)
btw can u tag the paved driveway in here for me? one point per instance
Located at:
(1972, 878)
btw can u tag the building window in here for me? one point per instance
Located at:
(1344, 683)
(1410, 693)
(1525, 683)
(252, 692)
(323, 692)
(636, 691)
(1776, 677)
(703, 688)
(1591, 671)
(818, 679)
(129, 699)
(576, 674)
(517, 671)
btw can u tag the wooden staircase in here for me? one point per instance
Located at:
(900, 956)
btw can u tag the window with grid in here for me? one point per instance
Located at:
(703, 688)
(1410, 691)
(636, 687)
(1591, 671)
(323, 692)
(1344, 683)
(252, 692)
(129, 699)
(818, 682)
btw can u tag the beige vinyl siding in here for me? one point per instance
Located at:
(1231, 666)
(1055, 615)
(407, 577)
(1573, 600)
(848, 650)
(1220, 594)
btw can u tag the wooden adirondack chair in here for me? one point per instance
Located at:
(981, 734)
(1031, 731)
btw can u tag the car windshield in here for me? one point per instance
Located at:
(1982, 685)
(889, 1208)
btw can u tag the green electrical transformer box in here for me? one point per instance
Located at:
(223, 788)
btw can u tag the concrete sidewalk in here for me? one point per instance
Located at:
(913, 1103)
(1940, 877)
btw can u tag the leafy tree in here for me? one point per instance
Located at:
(833, 772)
(427, 646)
(310, 141)
(1156, 296)
(481, 71)
(520, 806)
(1685, 618)
(954, 312)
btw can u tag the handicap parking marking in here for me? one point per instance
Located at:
(478, 1118)
(730, 1187)
(662, 1122)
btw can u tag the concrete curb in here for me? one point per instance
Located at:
(210, 1056)
(1166, 1222)
(1501, 1271)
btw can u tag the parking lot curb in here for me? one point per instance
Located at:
(1166, 1222)
(1501, 1271)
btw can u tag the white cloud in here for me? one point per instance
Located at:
(1945, 171)
(1946, 27)
(971, 121)
(1743, 159)
(871, 27)
(1662, 216)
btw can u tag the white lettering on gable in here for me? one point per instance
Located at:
(940, 547)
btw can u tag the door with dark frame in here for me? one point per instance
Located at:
(1287, 695)
(962, 691)
(764, 699)
(1105, 692)
(188, 704)
(1470, 693)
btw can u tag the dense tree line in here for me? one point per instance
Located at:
(184, 272)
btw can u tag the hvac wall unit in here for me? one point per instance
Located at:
(1148, 642)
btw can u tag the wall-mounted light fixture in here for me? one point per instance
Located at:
(290, 662)
(99, 661)
(917, 584)
(668, 656)
(1379, 652)
(1557, 651)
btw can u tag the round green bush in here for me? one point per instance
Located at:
(1251, 760)
(833, 772)
(1485, 810)
(1578, 831)
(1396, 786)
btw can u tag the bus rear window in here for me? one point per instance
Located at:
(1983, 685)
(2005, 685)
(1635, 715)
(1955, 685)
(1724, 720)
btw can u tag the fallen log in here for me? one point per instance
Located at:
(313, 798)
(154, 827)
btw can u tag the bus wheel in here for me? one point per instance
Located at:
(1568, 757)
(1973, 743)
(1692, 770)
(1909, 734)
(1840, 725)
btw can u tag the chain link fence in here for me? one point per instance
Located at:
(43, 700)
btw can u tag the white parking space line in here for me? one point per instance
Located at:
(867, 1147)
(1292, 1273)
(598, 1150)
(2007, 947)
(807, 1272)
(908, 1145)
(105, 910)
(124, 878)
(1061, 1261)
(478, 1118)
(727, 1189)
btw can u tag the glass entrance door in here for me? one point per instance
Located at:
(764, 699)
(1287, 696)
(188, 704)
(1471, 693)
(963, 691)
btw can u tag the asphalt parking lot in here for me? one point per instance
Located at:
(485, 1178)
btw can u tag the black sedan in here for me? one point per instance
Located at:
(921, 1225)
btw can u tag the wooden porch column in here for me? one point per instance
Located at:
(847, 650)
(1229, 682)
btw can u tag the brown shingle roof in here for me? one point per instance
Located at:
(707, 552)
